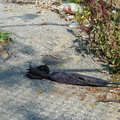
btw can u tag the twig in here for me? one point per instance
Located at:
(8, 57)
(45, 23)
(10, 54)
(50, 56)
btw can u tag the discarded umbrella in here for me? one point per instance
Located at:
(43, 72)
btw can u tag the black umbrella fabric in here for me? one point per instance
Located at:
(43, 72)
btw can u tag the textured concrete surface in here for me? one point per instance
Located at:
(54, 44)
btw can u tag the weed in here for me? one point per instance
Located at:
(5, 38)
(103, 30)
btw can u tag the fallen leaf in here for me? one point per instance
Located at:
(38, 91)
(4, 68)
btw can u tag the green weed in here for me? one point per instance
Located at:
(103, 30)
(5, 37)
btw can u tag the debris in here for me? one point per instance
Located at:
(38, 91)
(50, 56)
(43, 72)
(4, 68)
(110, 100)
(70, 8)
(86, 23)
(56, 3)
(74, 25)
(45, 23)
(71, 17)
(111, 90)
(38, 12)
(9, 56)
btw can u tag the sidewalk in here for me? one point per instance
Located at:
(25, 99)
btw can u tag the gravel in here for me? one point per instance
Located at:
(58, 46)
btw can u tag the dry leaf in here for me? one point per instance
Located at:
(38, 91)
(4, 68)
